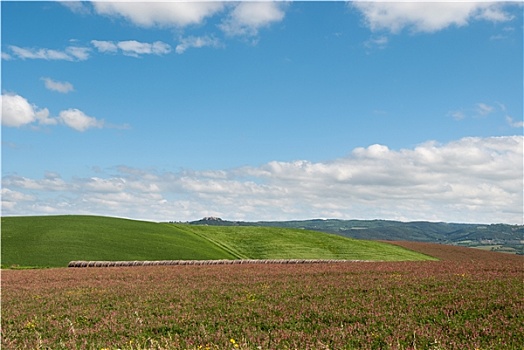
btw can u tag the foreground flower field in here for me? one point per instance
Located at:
(469, 300)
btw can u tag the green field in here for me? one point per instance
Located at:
(54, 241)
(283, 243)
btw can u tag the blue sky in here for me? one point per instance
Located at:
(263, 111)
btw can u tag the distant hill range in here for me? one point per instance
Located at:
(496, 237)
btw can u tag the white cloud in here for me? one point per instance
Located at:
(457, 115)
(105, 46)
(484, 109)
(468, 180)
(78, 53)
(6, 56)
(32, 53)
(427, 16)
(135, 48)
(377, 42)
(481, 110)
(71, 53)
(59, 86)
(514, 123)
(11, 198)
(493, 13)
(43, 118)
(78, 120)
(76, 6)
(132, 47)
(17, 112)
(196, 42)
(240, 19)
(161, 14)
(51, 182)
(244, 18)
(248, 17)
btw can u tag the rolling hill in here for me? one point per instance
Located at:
(498, 237)
(53, 241)
(283, 243)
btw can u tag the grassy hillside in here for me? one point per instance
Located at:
(42, 241)
(56, 240)
(283, 243)
(499, 237)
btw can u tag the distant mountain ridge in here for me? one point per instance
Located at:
(497, 237)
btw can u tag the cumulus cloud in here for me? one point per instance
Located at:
(160, 14)
(10, 198)
(59, 86)
(467, 180)
(78, 120)
(71, 53)
(248, 17)
(238, 19)
(427, 16)
(76, 6)
(17, 112)
(242, 19)
(132, 47)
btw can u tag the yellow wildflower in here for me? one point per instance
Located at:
(29, 325)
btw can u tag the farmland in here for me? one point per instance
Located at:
(496, 237)
(275, 243)
(470, 299)
(53, 241)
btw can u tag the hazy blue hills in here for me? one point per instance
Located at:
(498, 237)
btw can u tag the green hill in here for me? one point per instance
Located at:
(284, 243)
(500, 237)
(53, 241)
(56, 240)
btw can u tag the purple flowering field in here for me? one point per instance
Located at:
(469, 299)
